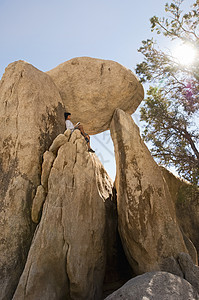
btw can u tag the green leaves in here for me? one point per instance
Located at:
(176, 25)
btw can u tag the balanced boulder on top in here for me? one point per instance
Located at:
(91, 89)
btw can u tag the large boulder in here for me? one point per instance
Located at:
(92, 88)
(31, 114)
(156, 286)
(67, 257)
(146, 213)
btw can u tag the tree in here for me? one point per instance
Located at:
(171, 108)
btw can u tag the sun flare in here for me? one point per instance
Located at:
(184, 54)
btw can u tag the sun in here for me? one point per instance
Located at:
(184, 54)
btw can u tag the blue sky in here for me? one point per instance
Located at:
(46, 33)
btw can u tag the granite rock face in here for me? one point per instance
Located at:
(92, 89)
(156, 286)
(30, 114)
(146, 213)
(186, 200)
(50, 180)
(189, 269)
(38, 203)
(67, 257)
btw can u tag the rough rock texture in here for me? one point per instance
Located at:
(30, 112)
(67, 256)
(37, 203)
(92, 88)
(156, 286)
(186, 199)
(191, 248)
(190, 271)
(60, 140)
(48, 159)
(146, 213)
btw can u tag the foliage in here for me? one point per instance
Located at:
(171, 107)
(187, 194)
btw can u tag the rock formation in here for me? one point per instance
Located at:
(59, 211)
(189, 269)
(67, 258)
(31, 116)
(92, 88)
(156, 286)
(186, 200)
(146, 214)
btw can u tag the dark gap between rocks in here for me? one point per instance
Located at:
(118, 270)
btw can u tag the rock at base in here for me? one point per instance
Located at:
(156, 286)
